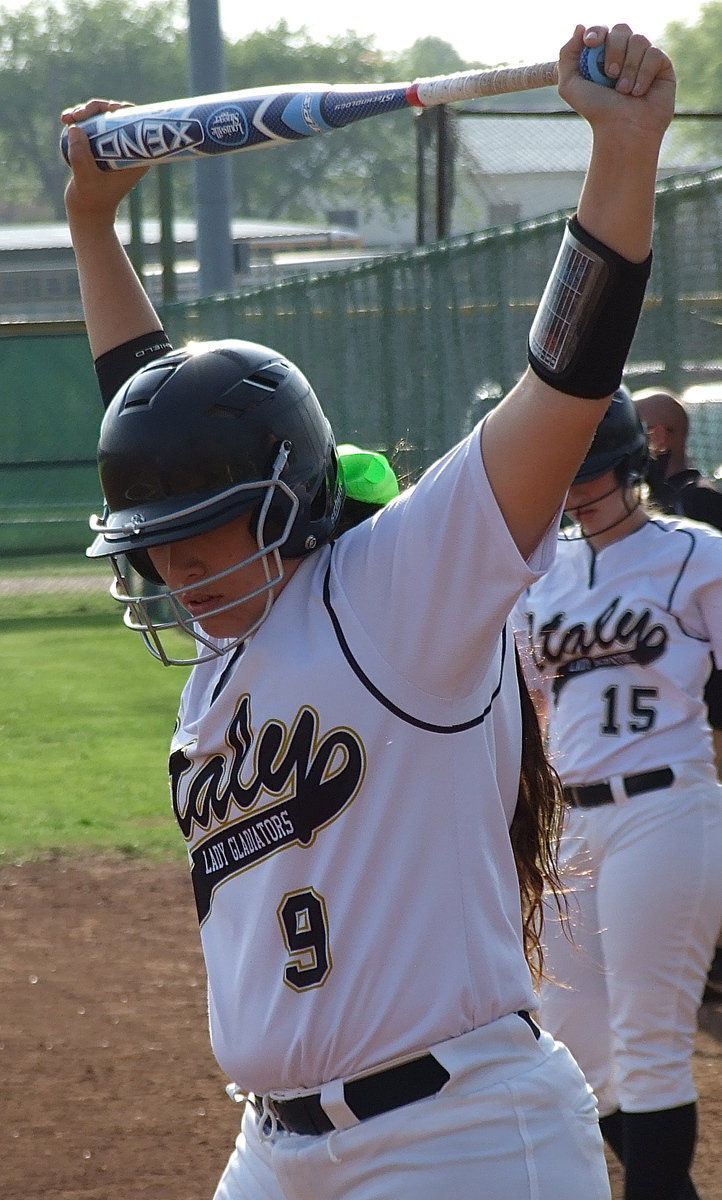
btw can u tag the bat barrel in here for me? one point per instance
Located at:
(207, 125)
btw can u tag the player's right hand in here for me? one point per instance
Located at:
(641, 105)
(90, 191)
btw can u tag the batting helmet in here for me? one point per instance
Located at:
(620, 443)
(190, 442)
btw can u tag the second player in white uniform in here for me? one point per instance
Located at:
(346, 766)
(617, 638)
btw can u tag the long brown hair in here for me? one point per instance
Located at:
(535, 831)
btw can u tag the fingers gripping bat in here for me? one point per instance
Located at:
(247, 120)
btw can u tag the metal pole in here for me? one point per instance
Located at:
(136, 249)
(422, 141)
(167, 242)
(444, 171)
(214, 240)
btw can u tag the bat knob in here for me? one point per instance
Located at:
(591, 66)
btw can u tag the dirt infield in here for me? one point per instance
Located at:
(109, 1089)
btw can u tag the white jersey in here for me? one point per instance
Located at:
(620, 642)
(345, 784)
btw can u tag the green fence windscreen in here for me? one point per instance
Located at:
(408, 349)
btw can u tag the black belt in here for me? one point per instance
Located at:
(366, 1095)
(591, 795)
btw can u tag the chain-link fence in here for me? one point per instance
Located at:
(407, 349)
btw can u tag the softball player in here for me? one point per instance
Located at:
(345, 769)
(676, 487)
(617, 636)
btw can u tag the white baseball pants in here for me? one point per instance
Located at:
(645, 876)
(516, 1121)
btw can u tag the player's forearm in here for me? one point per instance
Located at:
(532, 444)
(535, 439)
(628, 124)
(115, 305)
(616, 205)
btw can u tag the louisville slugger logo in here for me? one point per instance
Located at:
(274, 789)
(148, 139)
(228, 126)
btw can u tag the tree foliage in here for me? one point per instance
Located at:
(51, 57)
(694, 50)
(58, 54)
(63, 52)
(350, 168)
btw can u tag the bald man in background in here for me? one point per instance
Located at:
(675, 486)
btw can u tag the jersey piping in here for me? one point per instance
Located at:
(591, 578)
(384, 700)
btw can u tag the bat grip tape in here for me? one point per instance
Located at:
(587, 317)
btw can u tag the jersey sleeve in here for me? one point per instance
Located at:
(116, 366)
(434, 581)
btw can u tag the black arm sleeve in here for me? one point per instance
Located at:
(116, 366)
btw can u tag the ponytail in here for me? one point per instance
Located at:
(535, 831)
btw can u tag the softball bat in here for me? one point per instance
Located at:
(257, 117)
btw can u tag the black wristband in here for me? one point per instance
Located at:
(115, 367)
(580, 338)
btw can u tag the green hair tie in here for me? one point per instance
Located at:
(367, 475)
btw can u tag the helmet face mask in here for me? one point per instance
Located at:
(153, 613)
(193, 441)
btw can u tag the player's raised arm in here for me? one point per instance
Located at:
(115, 303)
(535, 439)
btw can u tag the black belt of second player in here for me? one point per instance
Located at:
(366, 1095)
(591, 795)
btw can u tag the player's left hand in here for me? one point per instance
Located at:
(90, 191)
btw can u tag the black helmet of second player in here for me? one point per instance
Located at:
(620, 442)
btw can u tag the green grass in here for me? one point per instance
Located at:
(75, 566)
(85, 725)
(55, 585)
(57, 603)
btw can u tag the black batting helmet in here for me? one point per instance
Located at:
(190, 441)
(620, 443)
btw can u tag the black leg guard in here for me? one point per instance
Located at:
(612, 1127)
(689, 1191)
(657, 1154)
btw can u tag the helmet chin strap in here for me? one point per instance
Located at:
(618, 487)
